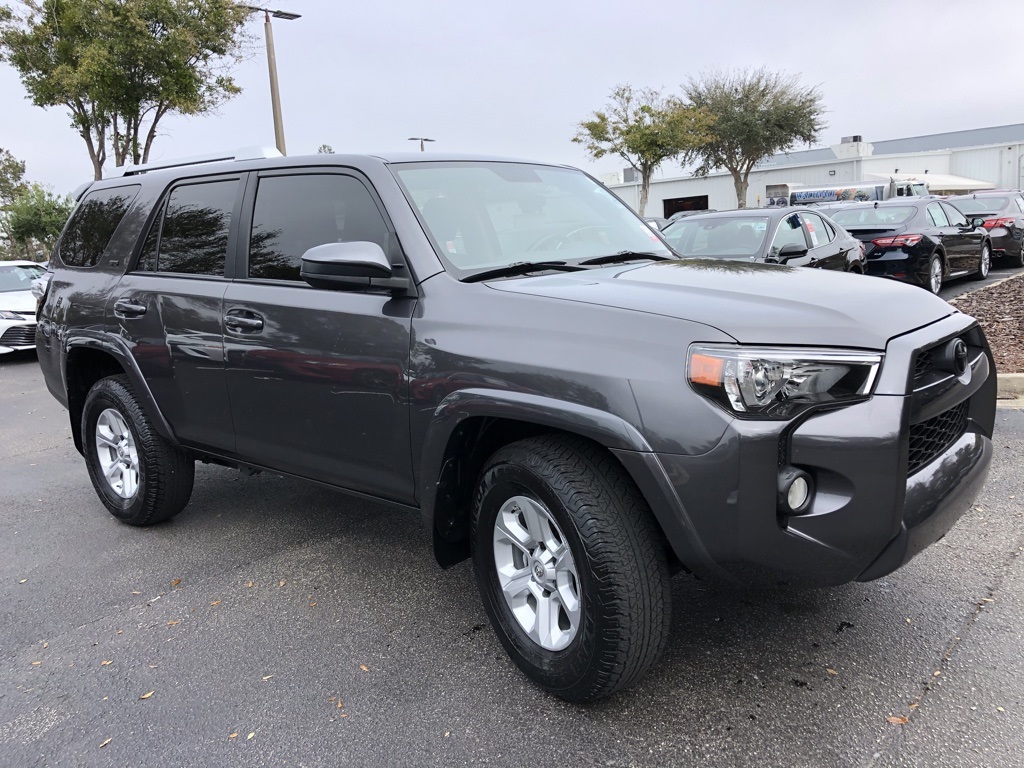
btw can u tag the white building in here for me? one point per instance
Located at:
(960, 161)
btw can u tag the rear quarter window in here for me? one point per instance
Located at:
(93, 224)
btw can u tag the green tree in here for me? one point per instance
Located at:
(121, 66)
(325, 149)
(758, 113)
(12, 175)
(36, 217)
(645, 129)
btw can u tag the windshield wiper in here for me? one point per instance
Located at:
(521, 268)
(624, 256)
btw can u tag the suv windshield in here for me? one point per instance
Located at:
(486, 215)
(18, 277)
(979, 204)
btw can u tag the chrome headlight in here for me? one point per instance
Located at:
(5, 315)
(779, 382)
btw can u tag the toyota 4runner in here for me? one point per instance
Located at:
(506, 349)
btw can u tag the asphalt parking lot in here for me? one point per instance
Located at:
(965, 284)
(277, 623)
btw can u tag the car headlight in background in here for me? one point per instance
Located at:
(5, 315)
(779, 382)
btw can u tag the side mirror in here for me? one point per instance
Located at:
(348, 266)
(791, 251)
(977, 221)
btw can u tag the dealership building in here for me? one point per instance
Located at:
(950, 163)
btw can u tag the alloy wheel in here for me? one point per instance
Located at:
(117, 454)
(537, 573)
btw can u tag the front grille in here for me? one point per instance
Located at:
(930, 438)
(924, 364)
(19, 336)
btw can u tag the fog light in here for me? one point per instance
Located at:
(796, 490)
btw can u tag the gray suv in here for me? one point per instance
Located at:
(505, 349)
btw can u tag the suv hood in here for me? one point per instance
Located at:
(753, 303)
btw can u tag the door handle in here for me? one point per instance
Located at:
(128, 308)
(239, 323)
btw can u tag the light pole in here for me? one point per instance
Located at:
(421, 140)
(275, 93)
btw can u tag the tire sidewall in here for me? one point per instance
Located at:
(557, 671)
(106, 395)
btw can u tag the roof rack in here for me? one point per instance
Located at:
(245, 153)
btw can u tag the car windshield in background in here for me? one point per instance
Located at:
(980, 204)
(18, 277)
(869, 216)
(483, 216)
(737, 236)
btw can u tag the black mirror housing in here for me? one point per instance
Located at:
(791, 251)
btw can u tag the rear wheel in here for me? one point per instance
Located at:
(934, 279)
(1018, 260)
(984, 263)
(570, 566)
(139, 476)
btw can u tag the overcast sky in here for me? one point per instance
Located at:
(514, 78)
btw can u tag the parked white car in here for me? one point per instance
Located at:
(18, 305)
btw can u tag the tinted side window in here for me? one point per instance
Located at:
(819, 232)
(93, 224)
(938, 218)
(296, 213)
(954, 216)
(194, 236)
(147, 259)
(789, 231)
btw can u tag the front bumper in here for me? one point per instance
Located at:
(16, 336)
(878, 500)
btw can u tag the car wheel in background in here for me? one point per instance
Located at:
(934, 279)
(984, 263)
(570, 566)
(140, 477)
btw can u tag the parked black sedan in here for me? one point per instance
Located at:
(773, 235)
(1003, 212)
(924, 241)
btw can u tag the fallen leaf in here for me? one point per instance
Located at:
(343, 714)
(36, 663)
(936, 673)
(897, 720)
(915, 705)
(105, 743)
(46, 645)
(106, 662)
(1000, 709)
(23, 581)
(364, 668)
(215, 602)
(280, 583)
(174, 623)
(136, 593)
(340, 705)
(119, 631)
(313, 604)
(447, 734)
(987, 600)
(831, 671)
(250, 735)
(232, 735)
(147, 695)
(267, 677)
(176, 582)
(250, 584)
(152, 666)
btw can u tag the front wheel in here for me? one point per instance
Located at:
(570, 566)
(984, 263)
(139, 476)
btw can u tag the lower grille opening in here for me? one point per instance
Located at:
(930, 438)
(19, 336)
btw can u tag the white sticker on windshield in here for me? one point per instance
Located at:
(814, 235)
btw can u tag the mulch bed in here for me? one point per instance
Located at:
(999, 309)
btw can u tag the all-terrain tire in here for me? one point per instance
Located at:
(622, 578)
(154, 480)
